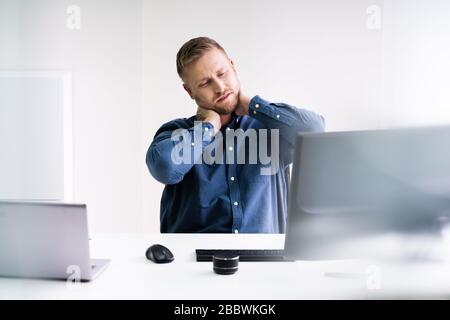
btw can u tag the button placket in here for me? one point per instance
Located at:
(236, 207)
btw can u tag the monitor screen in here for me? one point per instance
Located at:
(348, 185)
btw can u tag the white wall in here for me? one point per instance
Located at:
(416, 63)
(318, 54)
(105, 57)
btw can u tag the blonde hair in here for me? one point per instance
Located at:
(193, 50)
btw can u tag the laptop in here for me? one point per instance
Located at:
(47, 241)
(348, 189)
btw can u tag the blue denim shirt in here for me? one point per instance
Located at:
(230, 196)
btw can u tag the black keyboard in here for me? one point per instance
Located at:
(244, 254)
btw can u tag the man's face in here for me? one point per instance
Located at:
(211, 81)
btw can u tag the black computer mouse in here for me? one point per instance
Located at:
(159, 254)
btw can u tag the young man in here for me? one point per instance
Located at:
(221, 185)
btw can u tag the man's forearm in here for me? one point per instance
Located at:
(173, 153)
(288, 119)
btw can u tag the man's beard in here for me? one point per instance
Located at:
(227, 109)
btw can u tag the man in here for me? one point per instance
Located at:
(225, 196)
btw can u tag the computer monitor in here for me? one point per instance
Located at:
(350, 185)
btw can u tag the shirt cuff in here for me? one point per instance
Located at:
(260, 109)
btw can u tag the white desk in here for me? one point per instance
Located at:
(131, 276)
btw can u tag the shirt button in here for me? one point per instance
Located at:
(236, 231)
(257, 105)
(235, 203)
(232, 178)
(193, 144)
(254, 112)
(230, 148)
(278, 116)
(206, 129)
(228, 129)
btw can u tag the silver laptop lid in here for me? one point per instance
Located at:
(43, 240)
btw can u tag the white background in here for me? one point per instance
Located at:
(319, 55)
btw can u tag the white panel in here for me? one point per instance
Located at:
(416, 67)
(35, 135)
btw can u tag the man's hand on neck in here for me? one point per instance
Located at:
(218, 120)
(210, 116)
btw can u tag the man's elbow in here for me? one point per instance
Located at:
(320, 127)
(316, 124)
(161, 169)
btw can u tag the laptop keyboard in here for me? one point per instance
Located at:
(244, 254)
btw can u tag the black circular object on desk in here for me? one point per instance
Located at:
(225, 263)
